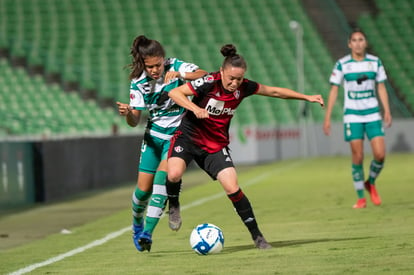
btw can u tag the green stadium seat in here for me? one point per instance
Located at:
(51, 109)
(88, 41)
(390, 33)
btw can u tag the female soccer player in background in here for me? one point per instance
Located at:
(152, 75)
(203, 134)
(361, 73)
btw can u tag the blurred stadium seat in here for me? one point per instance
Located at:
(391, 32)
(88, 43)
(29, 106)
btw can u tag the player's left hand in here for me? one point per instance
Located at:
(387, 119)
(170, 75)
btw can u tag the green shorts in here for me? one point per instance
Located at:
(357, 130)
(153, 151)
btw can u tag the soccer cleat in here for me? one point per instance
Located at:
(136, 232)
(145, 241)
(375, 198)
(261, 243)
(174, 220)
(361, 203)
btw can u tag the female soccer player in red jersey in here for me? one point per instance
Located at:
(203, 134)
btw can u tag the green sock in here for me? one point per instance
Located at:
(157, 202)
(358, 178)
(374, 170)
(139, 204)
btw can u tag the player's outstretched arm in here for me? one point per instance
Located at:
(286, 93)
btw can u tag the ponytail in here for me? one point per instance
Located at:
(231, 57)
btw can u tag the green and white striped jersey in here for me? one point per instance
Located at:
(360, 79)
(147, 93)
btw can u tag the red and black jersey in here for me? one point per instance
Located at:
(212, 134)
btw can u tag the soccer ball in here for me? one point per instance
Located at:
(206, 239)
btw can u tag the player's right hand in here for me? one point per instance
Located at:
(201, 113)
(327, 128)
(123, 109)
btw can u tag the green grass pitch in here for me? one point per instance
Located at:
(303, 207)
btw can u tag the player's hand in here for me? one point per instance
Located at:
(169, 76)
(327, 128)
(201, 113)
(387, 119)
(123, 109)
(316, 98)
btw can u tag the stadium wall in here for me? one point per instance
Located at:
(72, 166)
(43, 171)
(16, 174)
(256, 144)
(49, 170)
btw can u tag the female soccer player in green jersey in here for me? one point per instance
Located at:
(152, 76)
(363, 76)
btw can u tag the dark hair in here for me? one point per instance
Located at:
(233, 59)
(143, 47)
(355, 30)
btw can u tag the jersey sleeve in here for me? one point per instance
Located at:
(201, 85)
(337, 75)
(251, 87)
(182, 66)
(136, 99)
(381, 75)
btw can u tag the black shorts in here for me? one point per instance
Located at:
(211, 163)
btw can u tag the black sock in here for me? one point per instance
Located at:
(173, 191)
(245, 211)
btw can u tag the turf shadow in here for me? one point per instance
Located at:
(236, 248)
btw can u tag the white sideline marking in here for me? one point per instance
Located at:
(72, 252)
(118, 233)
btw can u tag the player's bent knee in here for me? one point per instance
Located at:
(174, 176)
